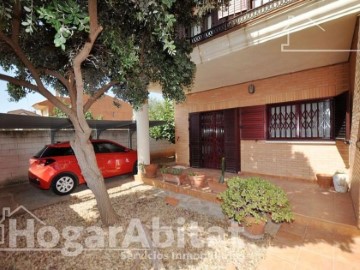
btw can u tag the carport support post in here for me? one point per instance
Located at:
(142, 134)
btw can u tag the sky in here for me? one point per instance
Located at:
(27, 102)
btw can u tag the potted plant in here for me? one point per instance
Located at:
(253, 200)
(340, 181)
(149, 170)
(218, 186)
(173, 175)
(197, 179)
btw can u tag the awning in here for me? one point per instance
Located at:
(54, 124)
(12, 121)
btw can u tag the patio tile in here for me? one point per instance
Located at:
(280, 250)
(289, 238)
(320, 247)
(311, 260)
(294, 228)
(273, 262)
(338, 265)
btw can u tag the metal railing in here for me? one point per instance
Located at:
(240, 19)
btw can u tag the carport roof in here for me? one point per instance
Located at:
(11, 121)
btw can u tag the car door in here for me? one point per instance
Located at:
(103, 158)
(119, 163)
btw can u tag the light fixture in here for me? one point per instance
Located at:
(251, 89)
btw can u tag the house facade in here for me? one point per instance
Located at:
(276, 91)
(102, 109)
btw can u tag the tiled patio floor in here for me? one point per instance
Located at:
(323, 235)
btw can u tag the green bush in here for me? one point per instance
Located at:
(257, 198)
(169, 170)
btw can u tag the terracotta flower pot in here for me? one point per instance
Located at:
(324, 180)
(254, 228)
(197, 181)
(151, 170)
(173, 178)
(215, 186)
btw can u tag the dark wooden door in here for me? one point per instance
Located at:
(214, 135)
(212, 138)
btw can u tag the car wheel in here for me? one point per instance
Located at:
(135, 168)
(64, 184)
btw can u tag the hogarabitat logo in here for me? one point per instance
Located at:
(36, 235)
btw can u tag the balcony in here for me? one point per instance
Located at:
(280, 37)
(241, 11)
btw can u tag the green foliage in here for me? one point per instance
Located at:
(194, 174)
(162, 111)
(138, 45)
(169, 170)
(255, 197)
(65, 17)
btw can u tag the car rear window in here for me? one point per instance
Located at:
(54, 152)
(105, 147)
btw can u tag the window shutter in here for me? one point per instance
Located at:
(253, 123)
(232, 140)
(214, 18)
(195, 140)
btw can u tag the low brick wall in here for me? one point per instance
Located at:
(16, 147)
(293, 160)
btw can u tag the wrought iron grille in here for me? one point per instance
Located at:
(315, 120)
(308, 120)
(241, 18)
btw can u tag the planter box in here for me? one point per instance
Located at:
(177, 179)
(216, 187)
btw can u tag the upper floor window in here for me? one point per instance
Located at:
(258, 3)
(235, 6)
(305, 120)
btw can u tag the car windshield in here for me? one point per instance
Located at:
(54, 152)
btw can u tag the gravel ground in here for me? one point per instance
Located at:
(149, 235)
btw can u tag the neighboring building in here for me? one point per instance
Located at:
(102, 109)
(276, 91)
(22, 112)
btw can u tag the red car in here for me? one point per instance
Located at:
(56, 167)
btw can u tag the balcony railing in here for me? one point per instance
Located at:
(241, 18)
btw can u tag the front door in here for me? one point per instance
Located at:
(212, 139)
(214, 135)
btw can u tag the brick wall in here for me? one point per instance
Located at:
(16, 147)
(309, 84)
(355, 128)
(294, 160)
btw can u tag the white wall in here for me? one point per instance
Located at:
(16, 147)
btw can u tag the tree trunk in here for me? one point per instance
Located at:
(86, 158)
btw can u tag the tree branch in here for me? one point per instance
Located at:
(40, 87)
(98, 94)
(55, 74)
(72, 89)
(95, 31)
(18, 82)
(16, 22)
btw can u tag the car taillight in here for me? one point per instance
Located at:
(47, 161)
